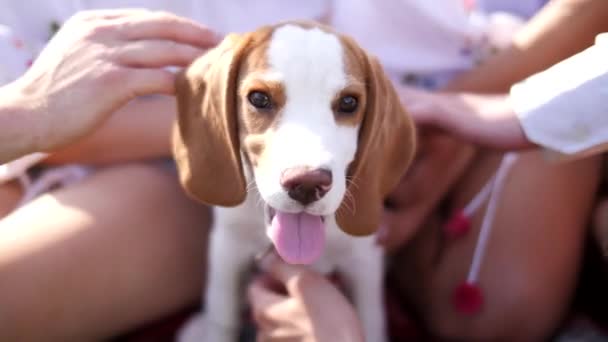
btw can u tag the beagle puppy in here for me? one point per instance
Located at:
(295, 135)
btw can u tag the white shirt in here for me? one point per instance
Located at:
(565, 108)
(434, 40)
(429, 41)
(26, 25)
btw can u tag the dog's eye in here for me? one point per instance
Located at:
(259, 99)
(347, 104)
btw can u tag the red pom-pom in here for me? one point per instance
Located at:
(458, 225)
(468, 298)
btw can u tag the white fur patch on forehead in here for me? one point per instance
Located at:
(308, 57)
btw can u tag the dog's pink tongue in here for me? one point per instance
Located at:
(298, 238)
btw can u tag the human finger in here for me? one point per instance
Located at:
(140, 82)
(280, 270)
(157, 53)
(261, 296)
(163, 25)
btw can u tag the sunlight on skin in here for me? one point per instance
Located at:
(23, 242)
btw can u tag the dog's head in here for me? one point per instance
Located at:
(310, 114)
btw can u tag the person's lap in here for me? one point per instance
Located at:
(530, 268)
(123, 247)
(126, 246)
(9, 197)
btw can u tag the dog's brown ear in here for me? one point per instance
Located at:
(205, 135)
(385, 150)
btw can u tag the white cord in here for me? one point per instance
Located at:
(486, 226)
(478, 200)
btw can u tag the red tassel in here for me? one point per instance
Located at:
(468, 298)
(458, 225)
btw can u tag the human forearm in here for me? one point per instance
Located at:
(140, 130)
(482, 119)
(94, 65)
(562, 108)
(20, 125)
(561, 29)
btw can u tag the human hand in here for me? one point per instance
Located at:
(96, 63)
(439, 163)
(292, 303)
(487, 120)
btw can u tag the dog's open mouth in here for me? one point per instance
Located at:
(299, 238)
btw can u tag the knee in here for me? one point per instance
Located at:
(527, 314)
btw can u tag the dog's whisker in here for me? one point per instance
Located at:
(253, 188)
(348, 196)
(251, 185)
(348, 207)
(341, 212)
(351, 181)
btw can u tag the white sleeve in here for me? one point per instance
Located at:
(565, 108)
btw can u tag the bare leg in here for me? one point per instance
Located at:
(9, 197)
(100, 257)
(533, 256)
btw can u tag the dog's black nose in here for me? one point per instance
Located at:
(305, 185)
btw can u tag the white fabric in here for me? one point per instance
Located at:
(524, 9)
(565, 108)
(438, 38)
(408, 36)
(33, 19)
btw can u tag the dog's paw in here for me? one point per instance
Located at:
(200, 329)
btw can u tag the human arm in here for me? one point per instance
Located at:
(562, 108)
(139, 130)
(295, 303)
(560, 29)
(96, 63)
(481, 119)
(19, 129)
